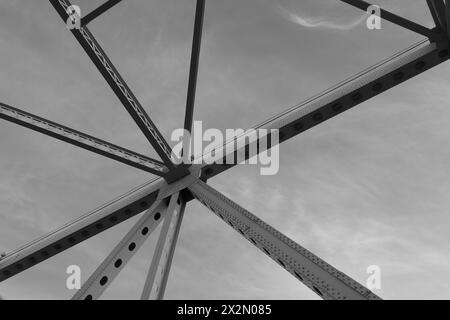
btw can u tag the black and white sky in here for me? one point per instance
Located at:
(369, 187)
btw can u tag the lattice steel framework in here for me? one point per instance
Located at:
(164, 199)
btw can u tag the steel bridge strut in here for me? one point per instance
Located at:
(81, 140)
(166, 197)
(315, 273)
(117, 84)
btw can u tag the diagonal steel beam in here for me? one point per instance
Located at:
(81, 140)
(447, 17)
(437, 9)
(391, 17)
(81, 229)
(195, 57)
(322, 278)
(158, 273)
(117, 84)
(108, 270)
(98, 11)
(312, 112)
(349, 93)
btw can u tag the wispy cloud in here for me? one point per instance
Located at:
(318, 22)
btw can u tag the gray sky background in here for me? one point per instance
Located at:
(368, 187)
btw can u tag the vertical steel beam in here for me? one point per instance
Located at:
(108, 270)
(447, 17)
(437, 9)
(322, 278)
(195, 58)
(156, 281)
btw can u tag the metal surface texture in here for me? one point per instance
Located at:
(165, 198)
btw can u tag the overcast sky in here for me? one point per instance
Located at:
(369, 187)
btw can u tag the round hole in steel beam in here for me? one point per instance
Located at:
(118, 263)
(103, 280)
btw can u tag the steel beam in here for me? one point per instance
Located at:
(158, 273)
(322, 278)
(108, 270)
(437, 9)
(447, 17)
(195, 57)
(98, 11)
(349, 93)
(117, 84)
(391, 17)
(81, 140)
(322, 107)
(81, 229)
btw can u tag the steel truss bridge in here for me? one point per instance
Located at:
(164, 199)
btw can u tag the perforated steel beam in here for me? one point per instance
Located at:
(117, 84)
(322, 107)
(108, 270)
(81, 140)
(81, 229)
(349, 93)
(391, 17)
(322, 278)
(158, 273)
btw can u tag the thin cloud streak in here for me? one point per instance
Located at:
(318, 22)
